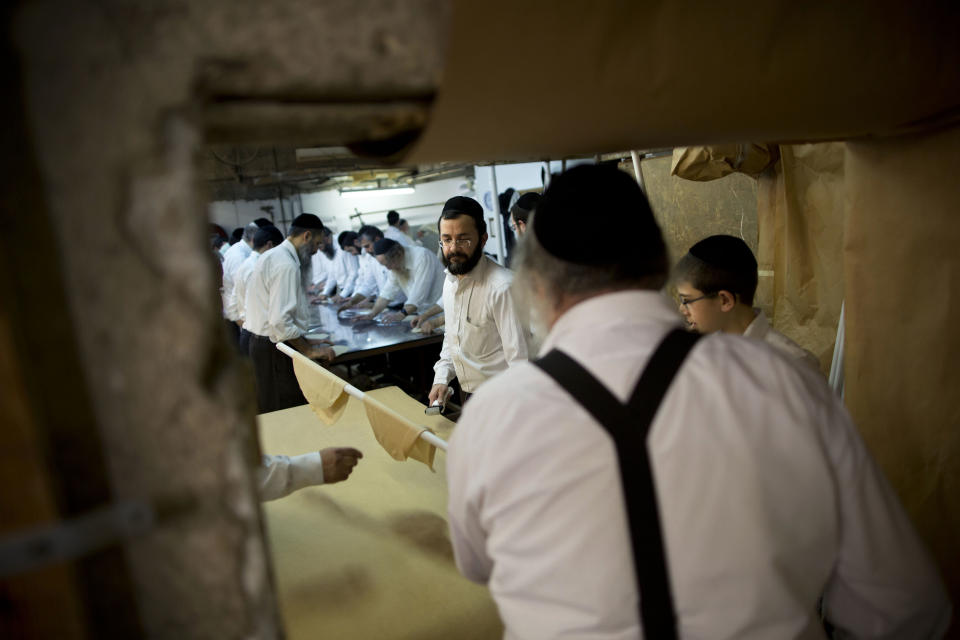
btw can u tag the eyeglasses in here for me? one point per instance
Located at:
(686, 302)
(459, 242)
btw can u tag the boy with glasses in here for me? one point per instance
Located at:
(716, 281)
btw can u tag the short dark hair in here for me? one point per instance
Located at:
(392, 218)
(522, 209)
(372, 232)
(263, 222)
(463, 206)
(346, 238)
(236, 235)
(720, 263)
(265, 235)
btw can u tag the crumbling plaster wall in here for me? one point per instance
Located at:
(119, 97)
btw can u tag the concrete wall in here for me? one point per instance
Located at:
(119, 97)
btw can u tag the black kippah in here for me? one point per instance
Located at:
(725, 252)
(307, 221)
(463, 204)
(528, 201)
(601, 196)
(383, 245)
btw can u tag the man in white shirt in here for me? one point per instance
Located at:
(393, 231)
(761, 493)
(521, 210)
(415, 272)
(716, 281)
(346, 268)
(371, 275)
(484, 334)
(277, 311)
(321, 263)
(265, 239)
(232, 259)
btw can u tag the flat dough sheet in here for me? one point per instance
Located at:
(369, 557)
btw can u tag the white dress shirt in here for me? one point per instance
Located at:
(484, 333)
(398, 236)
(276, 304)
(760, 329)
(767, 496)
(232, 259)
(343, 276)
(240, 280)
(320, 267)
(367, 282)
(421, 281)
(280, 476)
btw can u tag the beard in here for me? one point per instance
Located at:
(305, 254)
(468, 261)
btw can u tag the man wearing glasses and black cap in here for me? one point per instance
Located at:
(484, 334)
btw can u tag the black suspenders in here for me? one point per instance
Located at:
(629, 425)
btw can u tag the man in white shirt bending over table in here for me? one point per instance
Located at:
(484, 334)
(716, 281)
(415, 272)
(723, 496)
(277, 311)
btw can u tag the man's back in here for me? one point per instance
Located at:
(765, 492)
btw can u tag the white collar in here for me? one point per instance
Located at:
(635, 306)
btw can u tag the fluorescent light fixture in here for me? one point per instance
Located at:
(376, 193)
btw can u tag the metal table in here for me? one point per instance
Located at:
(367, 340)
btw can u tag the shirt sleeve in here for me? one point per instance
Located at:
(282, 308)
(392, 291)
(280, 476)
(884, 584)
(444, 371)
(366, 279)
(513, 336)
(333, 275)
(466, 532)
(351, 271)
(421, 281)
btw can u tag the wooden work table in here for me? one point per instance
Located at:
(368, 557)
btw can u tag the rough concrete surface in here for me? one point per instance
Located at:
(115, 94)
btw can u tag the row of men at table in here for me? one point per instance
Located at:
(635, 477)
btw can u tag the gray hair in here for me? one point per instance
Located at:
(249, 231)
(559, 277)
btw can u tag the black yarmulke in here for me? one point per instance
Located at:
(383, 245)
(599, 197)
(528, 201)
(463, 204)
(725, 252)
(307, 221)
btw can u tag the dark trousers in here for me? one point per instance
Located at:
(244, 344)
(277, 386)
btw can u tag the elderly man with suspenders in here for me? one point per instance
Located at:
(641, 481)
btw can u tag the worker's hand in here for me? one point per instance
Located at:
(365, 304)
(321, 353)
(392, 316)
(427, 326)
(438, 392)
(345, 305)
(415, 321)
(338, 462)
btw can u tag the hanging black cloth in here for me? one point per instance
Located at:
(629, 425)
